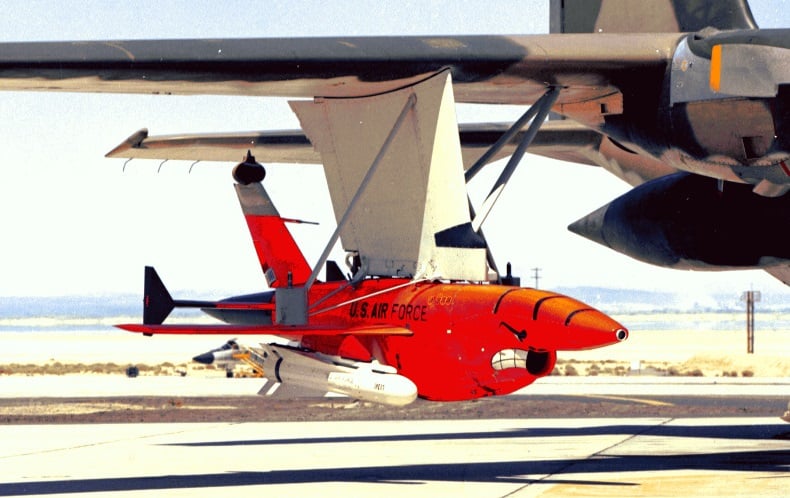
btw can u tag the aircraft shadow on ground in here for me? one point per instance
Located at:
(749, 432)
(514, 472)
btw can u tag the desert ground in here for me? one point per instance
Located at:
(673, 345)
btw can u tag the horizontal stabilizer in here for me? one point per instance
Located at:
(283, 331)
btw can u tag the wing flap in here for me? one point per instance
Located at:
(565, 140)
(290, 147)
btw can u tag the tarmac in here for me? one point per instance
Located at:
(458, 458)
(99, 385)
(513, 457)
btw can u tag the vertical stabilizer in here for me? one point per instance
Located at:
(648, 16)
(157, 303)
(276, 249)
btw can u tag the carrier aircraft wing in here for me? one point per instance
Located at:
(485, 69)
(689, 102)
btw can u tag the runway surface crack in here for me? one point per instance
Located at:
(563, 469)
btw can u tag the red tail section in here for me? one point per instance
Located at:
(277, 250)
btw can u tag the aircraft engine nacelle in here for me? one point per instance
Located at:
(685, 221)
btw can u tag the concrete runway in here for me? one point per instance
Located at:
(656, 456)
(21, 386)
(485, 458)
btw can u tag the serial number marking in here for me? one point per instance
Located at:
(441, 300)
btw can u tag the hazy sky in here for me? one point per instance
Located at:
(72, 223)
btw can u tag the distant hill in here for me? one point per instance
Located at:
(608, 300)
(71, 306)
(634, 301)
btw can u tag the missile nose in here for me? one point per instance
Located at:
(205, 358)
(591, 226)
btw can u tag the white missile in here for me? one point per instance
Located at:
(365, 381)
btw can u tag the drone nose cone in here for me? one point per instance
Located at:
(205, 358)
(591, 226)
(560, 323)
(592, 328)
